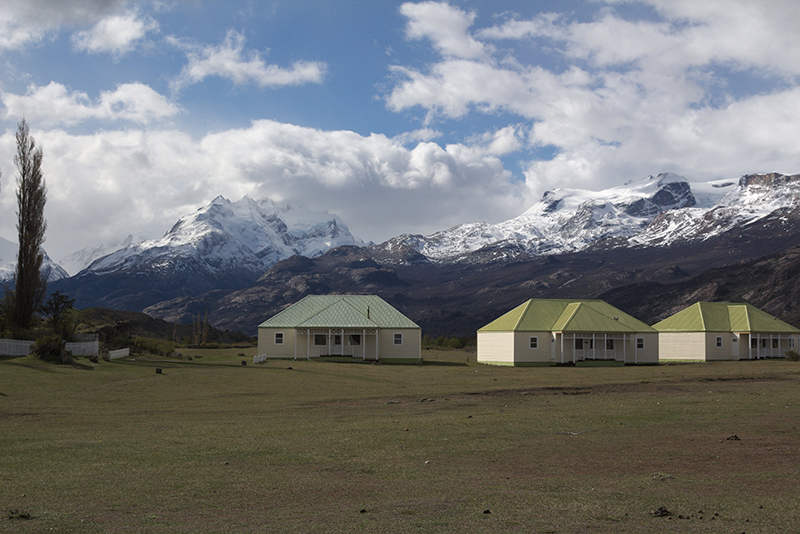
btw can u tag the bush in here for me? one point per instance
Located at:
(792, 355)
(148, 345)
(51, 349)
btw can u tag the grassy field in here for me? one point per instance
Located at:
(210, 445)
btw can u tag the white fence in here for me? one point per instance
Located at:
(15, 347)
(83, 348)
(121, 353)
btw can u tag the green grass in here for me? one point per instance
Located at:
(211, 446)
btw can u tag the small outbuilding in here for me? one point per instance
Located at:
(358, 326)
(562, 331)
(707, 331)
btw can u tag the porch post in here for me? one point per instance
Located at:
(624, 348)
(562, 347)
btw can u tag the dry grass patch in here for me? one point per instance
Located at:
(211, 445)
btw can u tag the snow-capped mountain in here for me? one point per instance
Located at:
(77, 261)
(564, 220)
(249, 235)
(224, 245)
(8, 264)
(754, 197)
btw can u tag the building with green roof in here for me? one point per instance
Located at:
(358, 326)
(708, 331)
(562, 331)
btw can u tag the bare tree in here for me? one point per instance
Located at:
(31, 197)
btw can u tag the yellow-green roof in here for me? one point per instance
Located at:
(564, 315)
(339, 311)
(724, 317)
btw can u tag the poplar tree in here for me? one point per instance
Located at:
(31, 197)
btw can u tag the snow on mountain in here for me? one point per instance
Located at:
(563, 220)
(244, 236)
(654, 211)
(754, 197)
(77, 261)
(8, 264)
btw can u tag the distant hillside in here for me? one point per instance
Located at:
(141, 324)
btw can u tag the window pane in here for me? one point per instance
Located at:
(320, 340)
(534, 342)
(355, 340)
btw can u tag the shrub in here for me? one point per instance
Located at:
(148, 345)
(51, 349)
(792, 355)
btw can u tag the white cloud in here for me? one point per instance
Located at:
(116, 34)
(54, 104)
(115, 183)
(227, 61)
(446, 27)
(27, 22)
(629, 96)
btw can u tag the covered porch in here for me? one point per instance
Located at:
(764, 345)
(574, 347)
(360, 343)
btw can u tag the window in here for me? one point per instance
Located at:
(279, 338)
(753, 343)
(719, 341)
(776, 343)
(320, 340)
(609, 344)
(355, 340)
(578, 344)
(640, 343)
(534, 342)
(791, 342)
(398, 338)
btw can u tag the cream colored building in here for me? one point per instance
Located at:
(358, 326)
(708, 331)
(560, 331)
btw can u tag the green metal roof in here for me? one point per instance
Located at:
(724, 317)
(339, 311)
(562, 315)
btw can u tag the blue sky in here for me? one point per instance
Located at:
(400, 117)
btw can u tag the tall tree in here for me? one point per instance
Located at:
(31, 197)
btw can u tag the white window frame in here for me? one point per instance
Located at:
(791, 343)
(719, 342)
(397, 338)
(279, 338)
(640, 343)
(533, 342)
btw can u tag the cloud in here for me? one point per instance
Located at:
(54, 104)
(116, 34)
(617, 96)
(226, 61)
(114, 183)
(446, 27)
(27, 22)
